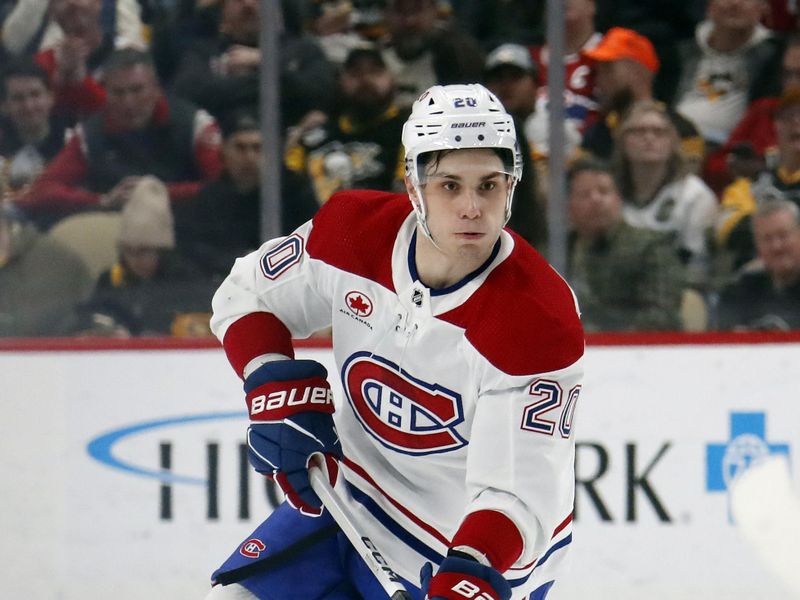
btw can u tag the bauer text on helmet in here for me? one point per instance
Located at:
(455, 117)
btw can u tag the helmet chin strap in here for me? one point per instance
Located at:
(422, 216)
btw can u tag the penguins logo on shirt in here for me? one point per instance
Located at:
(402, 412)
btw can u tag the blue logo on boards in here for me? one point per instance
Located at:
(747, 444)
(104, 448)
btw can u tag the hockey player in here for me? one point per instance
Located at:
(459, 351)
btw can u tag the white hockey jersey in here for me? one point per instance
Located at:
(457, 400)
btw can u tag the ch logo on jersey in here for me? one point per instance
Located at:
(358, 303)
(400, 411)
(281, 258)
(252, 548)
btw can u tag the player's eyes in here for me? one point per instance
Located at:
(488, 186)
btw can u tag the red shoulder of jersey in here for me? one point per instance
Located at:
(355, 231)
(523, 318)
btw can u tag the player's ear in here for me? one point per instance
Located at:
(412, 193)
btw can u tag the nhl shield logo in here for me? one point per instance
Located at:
(400, 411)
(358, 303)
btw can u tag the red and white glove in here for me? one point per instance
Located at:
(459, 578)
(291, 420)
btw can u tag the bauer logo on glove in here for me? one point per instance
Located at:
(291, 410)
(294, 397)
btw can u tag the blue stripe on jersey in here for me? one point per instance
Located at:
(553, 548)
(423, 549)
(393, 526)
(558, 545)
(412, 267)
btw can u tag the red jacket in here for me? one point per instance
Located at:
(60, 187)
(76, 100)
(757, 128)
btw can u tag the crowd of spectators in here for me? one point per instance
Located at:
(135, 124)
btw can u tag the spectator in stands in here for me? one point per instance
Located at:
(232, 203)
(33, 25)
(511, 75)
(139, 133)
(752, 145)
(341, 25)
(221, 74)
(626, 278)
(73, 62)
(425, 49)
(732, 61)
(580, 35)
(495, 23)
(658, 190)
(767, 296)
(41, 281)
(626, 64)
(30, 134)
(742, 198)
(152, 290)
(666, 23)
(224, 221)
(359, 146)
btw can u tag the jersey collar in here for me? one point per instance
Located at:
(412, 267)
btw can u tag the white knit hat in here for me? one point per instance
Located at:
(147, 216)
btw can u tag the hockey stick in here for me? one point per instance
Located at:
(388, 579)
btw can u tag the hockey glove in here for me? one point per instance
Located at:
(459, 578)
(291, 408)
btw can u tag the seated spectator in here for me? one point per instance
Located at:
(625, 278)
(359, 146)
(140, 132)
(30, 134)
(32, 24)
(221, 74)
(666, 23)
(495, 23)
(580, 35)
(659, 191)
(224, 221)
(782, 180)
(752, 145)
(341, 25)
(511, 75)
(73, 62)
(41, 281)
(425, 49)
(626, 64)
(767, 295)
(151, 290)
(729, 64)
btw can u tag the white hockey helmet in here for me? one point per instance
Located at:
(452, 117)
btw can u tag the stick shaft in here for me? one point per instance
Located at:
(388, 579)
